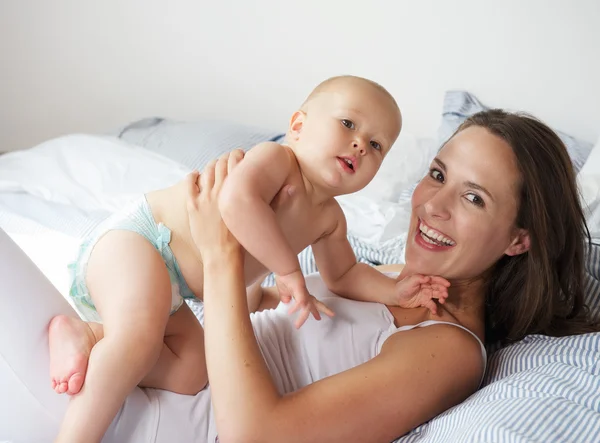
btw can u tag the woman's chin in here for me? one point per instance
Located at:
(419, 266)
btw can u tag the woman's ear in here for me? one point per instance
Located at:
(520, 243)
(296, 123)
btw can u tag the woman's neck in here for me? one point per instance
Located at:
(466, 303)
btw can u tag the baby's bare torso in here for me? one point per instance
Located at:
(302, 223)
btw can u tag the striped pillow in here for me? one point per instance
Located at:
(458, 105)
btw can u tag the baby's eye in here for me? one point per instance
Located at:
(436, 174)
(375, 145)
(348, 123)
(475, 199)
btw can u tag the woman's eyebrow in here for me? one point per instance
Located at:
(479, 188)
(440, 163)
(469, 184)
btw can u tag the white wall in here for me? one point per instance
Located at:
(76, 65)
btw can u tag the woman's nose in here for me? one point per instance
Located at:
(437, 206)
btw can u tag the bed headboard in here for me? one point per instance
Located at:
(73, 66)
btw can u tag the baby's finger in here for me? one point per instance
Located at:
(294, 308)
(322, 307)
(430, 304)
(442, 290)
(314, 311)
(285, 298)
(440, 281)
(301, 318)
(439, 297)
(420, 279)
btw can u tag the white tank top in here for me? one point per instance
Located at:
(355, 335)
(295, 358)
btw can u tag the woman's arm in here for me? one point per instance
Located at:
(417, 375)
(260, 298)
(245, 206)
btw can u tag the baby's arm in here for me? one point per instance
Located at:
(245, 200)
(342, 273)
(345, 276)
(245, 205)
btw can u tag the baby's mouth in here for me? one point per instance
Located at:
(348, 163)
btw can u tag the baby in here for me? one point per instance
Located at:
(133, 274)
(335, 145)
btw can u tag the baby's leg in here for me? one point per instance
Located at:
(181, 367)
(131, 289)
(70, 341)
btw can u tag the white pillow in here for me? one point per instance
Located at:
(373, 221)
(87, 171)
(406, 163)
(589, 187)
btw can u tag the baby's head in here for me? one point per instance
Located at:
(343, 131)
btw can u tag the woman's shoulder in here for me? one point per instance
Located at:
(418, 374)
(433, 345)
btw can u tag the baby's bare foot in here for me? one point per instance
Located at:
(71, 341)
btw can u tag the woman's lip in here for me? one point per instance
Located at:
(421, 222)
(419, 240)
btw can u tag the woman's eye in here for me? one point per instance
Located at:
(348, 123)
(475, 199)
(437, 175)
(376, 145)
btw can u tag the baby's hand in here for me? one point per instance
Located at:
(293, 286)
(421, 290)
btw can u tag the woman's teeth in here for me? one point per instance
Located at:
(430, 236)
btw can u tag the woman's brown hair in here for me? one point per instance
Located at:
(542, 290)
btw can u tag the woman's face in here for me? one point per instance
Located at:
(464, 210)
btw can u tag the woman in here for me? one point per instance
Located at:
(498, 216)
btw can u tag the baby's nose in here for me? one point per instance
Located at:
(359, 146)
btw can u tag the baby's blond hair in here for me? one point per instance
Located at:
(331, 83)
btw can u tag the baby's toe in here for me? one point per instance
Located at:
(75, 383)
(62, 388)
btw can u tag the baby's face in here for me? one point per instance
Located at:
(344, 136)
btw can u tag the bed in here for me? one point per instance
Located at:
(540, 389)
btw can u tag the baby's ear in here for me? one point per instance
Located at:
(296, 123)
(520, 243)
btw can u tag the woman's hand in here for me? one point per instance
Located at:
(211, 236)
(209, 232)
